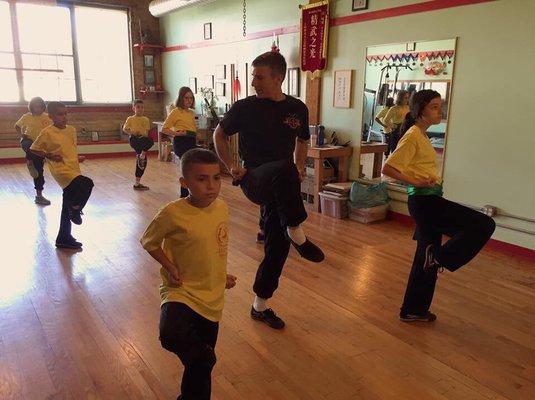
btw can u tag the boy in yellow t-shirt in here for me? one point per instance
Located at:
(57, 143)
(138, 126)
(28, 127)
(189, 238)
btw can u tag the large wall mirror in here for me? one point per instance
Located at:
(393, 73)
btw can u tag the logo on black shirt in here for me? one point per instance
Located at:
(292, 121)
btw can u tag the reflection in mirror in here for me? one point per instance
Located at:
(393, 73)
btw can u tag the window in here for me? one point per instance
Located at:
(104, 55)
(9, 91)
(43, 56)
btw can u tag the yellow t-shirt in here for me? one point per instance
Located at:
(195, 240)
(395, 116)
(380, 116)
(32, 125)
(139, 126)
(415, 156)
(53, 140)
(180, 120)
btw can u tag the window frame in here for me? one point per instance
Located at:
(70, 5)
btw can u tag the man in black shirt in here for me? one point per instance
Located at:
(273, 130)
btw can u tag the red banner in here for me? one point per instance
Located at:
(314, 29)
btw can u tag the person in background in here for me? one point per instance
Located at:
(414, 162)
(29, 126)
(180, 124)
(395, 117)
(138, 126)
(379, 118)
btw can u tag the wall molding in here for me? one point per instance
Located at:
(392, 12)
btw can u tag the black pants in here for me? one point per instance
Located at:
(38, 163)
(435, 216)
(392, 139)
(76, 194)
(140, 144)
(192, 338)
(276, 187)
(181, 144)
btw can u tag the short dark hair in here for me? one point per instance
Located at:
(54, 106)
(34, 101)
(417, 104)
(275, 61)
(137, 101)
(197, 156)
(179, 102)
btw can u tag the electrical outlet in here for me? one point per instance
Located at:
(489, 210)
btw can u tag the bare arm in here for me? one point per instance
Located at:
(221, 142)
(160, 256)
(300, 155)
(380, 122)
(50, 156)
(399, 176)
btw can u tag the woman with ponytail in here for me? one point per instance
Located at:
(414, 162)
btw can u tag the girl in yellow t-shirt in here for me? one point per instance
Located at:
(414, 162)
(29, 126)
(180, 124)
(394, 119)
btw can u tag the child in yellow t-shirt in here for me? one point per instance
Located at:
(414, 162)
(180, 124)
(28, 127)
(189, 238)
(57, 143)
(138, 126)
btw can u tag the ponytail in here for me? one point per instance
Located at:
(408, 122)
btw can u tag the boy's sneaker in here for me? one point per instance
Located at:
(31, 168)
(268, 317)
(68, 244)
(75, 216)
(260, 237)
(139, 186)
(427, 317)
(42, 201)
(141, 161)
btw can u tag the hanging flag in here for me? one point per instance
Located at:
(314, 33)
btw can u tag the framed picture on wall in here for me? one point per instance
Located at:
(148, 61)
(221, 71)
(342, 88)
(193, 85)
(358, 5)
(150, 79)
(293, 82)
(209, 81)
(208, 31)
(220, 89)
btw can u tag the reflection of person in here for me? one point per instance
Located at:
(415, 163)
(57, 143)
(180, 123)
(28, 127)
(138, 127)
(189, 238)
(395, 117)
(379, 118)
(274, 132)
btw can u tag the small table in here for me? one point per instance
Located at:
(377, 149)
(321, 153)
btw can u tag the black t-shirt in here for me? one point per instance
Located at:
(267, 128)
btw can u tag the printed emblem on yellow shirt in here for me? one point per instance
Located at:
(222, 239)
(292, 121)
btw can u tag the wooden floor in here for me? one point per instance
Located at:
(84, 325)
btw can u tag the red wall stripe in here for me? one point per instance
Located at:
(349, 19)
